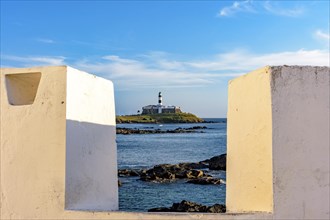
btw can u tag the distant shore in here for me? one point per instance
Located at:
(165, 118)
(127, 131)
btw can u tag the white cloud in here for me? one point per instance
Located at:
(150, 70)
(35, 60)
(322, 35)
(246, 61)
(277, 10)
(260, 6)
(46, 41)
(159, 69)
(243, 6)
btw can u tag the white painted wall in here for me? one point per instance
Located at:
(91, 153)
(300, 108)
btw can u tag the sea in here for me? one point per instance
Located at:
(141, 151)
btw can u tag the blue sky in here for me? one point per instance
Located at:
(189, 50)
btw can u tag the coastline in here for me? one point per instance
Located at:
(164, 118)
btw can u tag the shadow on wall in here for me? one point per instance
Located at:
(22, 88)
(90, 167)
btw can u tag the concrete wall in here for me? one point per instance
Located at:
(299, 141)
(65, 121)
(249, 140)
(278, 146)
(33, 147)
(300, 100)
(91, 153)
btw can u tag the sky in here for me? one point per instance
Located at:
(188, 50)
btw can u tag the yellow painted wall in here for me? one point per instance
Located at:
(249, 143)
(33, 148)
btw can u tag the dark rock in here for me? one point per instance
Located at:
(194, 174)
(170, 172)
(187, 206)
(127, 172)
(218, 162)
(127, 131)
(163, 172)
(199, 165)
(207, 181)
(216, 208)
(120, 183)
(160, 209)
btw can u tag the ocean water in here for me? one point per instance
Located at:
(144, 151)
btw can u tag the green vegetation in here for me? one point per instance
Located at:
(160, 118)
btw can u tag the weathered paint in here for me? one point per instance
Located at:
(249, 139)
(300, 100)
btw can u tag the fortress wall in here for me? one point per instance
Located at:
(33, 142)
(91, 153)
(278, 146)
(299, 143)
(58, 157)
(300, 108)
(56, 122)
(249, 139)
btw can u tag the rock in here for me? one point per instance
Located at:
(120, 183)
(163, 172)
(127, 172)
(187, 206)
(127, 131)
(199, 165)
(159, 173)
(170, 172)
(194, 174)
(216, 208)
(207, 181)
(160, 209)
(218, 162)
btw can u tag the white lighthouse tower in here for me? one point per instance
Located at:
(160, 103)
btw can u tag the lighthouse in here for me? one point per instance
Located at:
(160, 108)
(160, 98)
(160, 103)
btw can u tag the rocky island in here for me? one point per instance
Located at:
(159, 118)
(159, 113)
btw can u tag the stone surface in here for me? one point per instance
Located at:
(218, 162)
(278, 116)
(127, 131)
(187, 206)
(169, 172)
(128, 172)
(207, 181)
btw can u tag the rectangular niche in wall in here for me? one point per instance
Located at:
(22, 88)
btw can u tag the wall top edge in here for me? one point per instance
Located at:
(275, 69)
(262, 70)
(31, 69)
(72, 70)
(298, 67)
